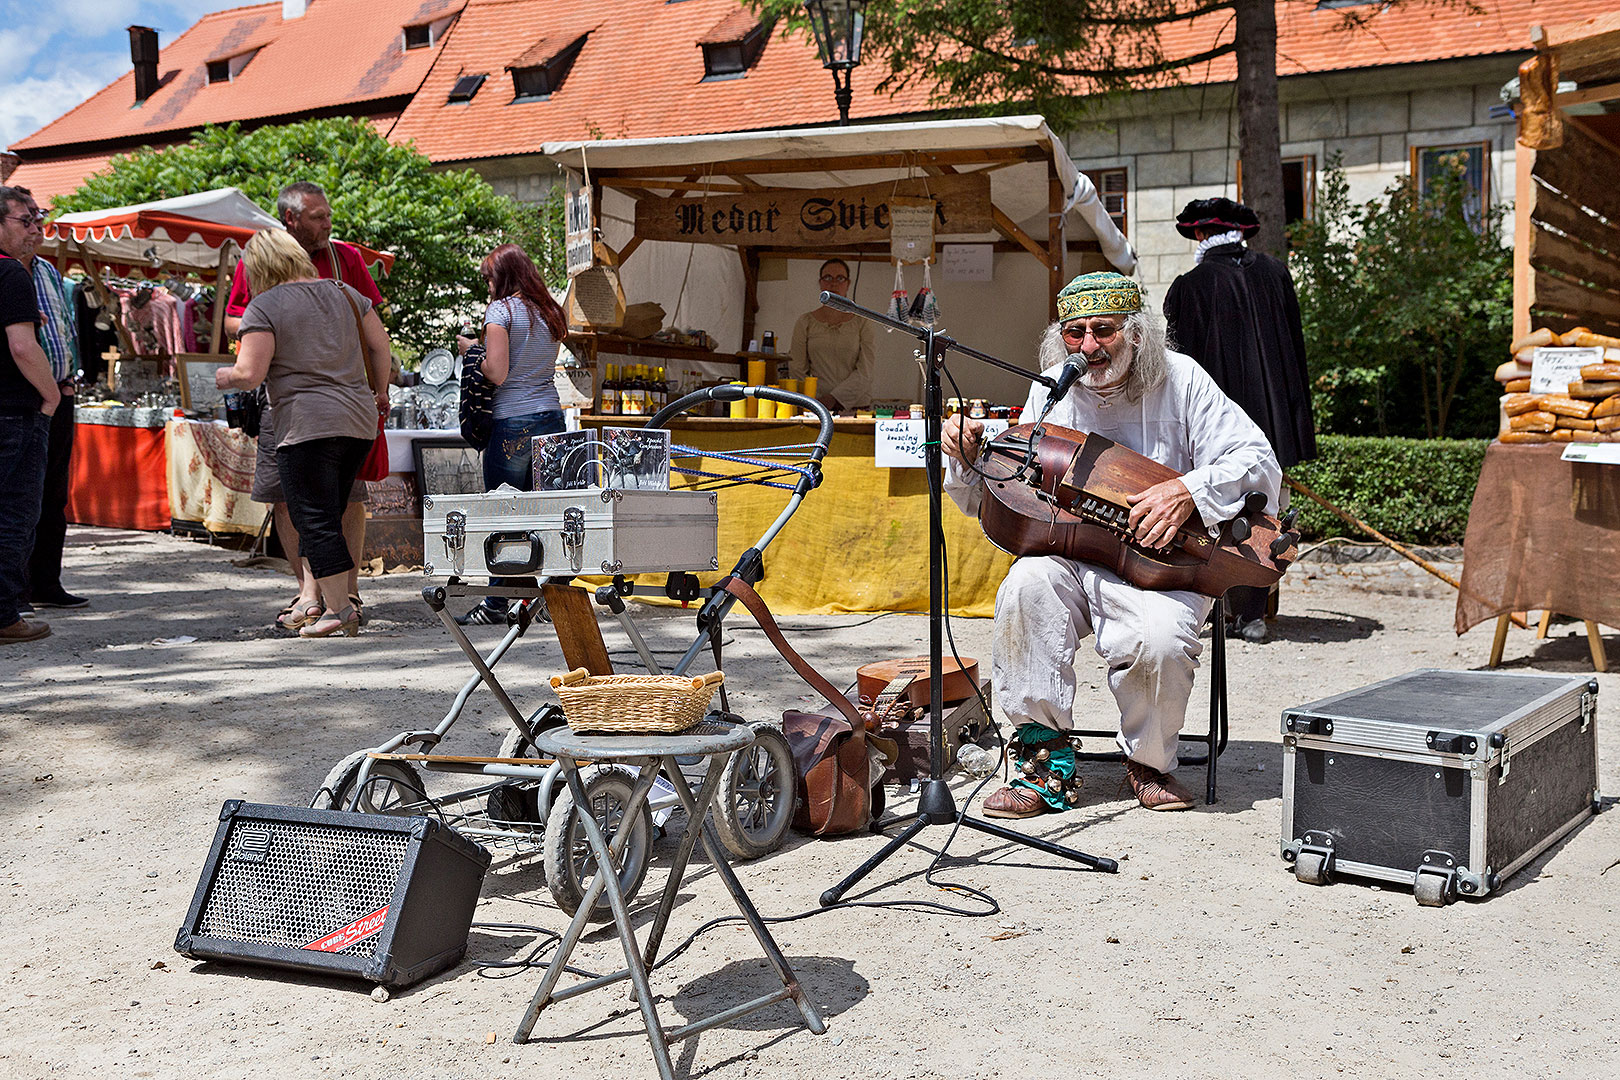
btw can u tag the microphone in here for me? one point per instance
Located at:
(1066, 379)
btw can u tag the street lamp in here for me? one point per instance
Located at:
(839, 26)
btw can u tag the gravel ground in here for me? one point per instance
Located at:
(1203, 957)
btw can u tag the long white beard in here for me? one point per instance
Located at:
(1109, 379)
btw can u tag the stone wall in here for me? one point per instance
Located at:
(1182, 144)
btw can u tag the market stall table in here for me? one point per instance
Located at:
(117, 478)
(210, 476)
(1543, 535)
(864, 548)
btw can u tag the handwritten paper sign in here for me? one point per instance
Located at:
(899, 443)
(911, 229)
(1553, 369)
(577, 238)
(968, 262)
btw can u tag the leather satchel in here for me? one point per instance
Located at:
(838, 791)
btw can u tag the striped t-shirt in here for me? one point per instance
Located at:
(532, 353)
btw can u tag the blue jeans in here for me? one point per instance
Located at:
(510, 460)
(23, 442)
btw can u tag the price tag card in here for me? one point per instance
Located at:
(899, 443)
(1603, 453)
(1553, 369)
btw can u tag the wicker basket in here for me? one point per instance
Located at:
(634, 704)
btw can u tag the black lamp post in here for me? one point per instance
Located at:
(839, 26)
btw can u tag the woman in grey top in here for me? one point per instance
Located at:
(522, 329)
(310, 340)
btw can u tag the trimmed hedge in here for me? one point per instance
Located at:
(1415, 491)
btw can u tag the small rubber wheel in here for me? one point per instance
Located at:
(392, 787)
(1311, 868)
(571, 865)
(1430, 890)
(754, 807)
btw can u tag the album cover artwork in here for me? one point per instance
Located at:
(634, 458)
(565, 461)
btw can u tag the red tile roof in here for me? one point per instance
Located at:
(732, 27)
(339, 53)
(57, 176)
(640, 74)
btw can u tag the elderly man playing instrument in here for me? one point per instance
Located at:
(1136, 392)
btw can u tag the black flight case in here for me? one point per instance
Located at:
(1447, 781)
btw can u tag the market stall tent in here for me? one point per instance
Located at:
(1044, 222)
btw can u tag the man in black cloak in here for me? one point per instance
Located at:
(1236, 313)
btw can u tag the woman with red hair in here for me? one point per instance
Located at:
(523, 328)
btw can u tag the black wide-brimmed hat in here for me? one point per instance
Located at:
(1222, 214)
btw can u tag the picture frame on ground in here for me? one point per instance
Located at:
(634, 458)
(565, 461)
(195, 373)
(447, 467)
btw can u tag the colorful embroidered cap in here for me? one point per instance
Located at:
(1102, 293)
(1222, 214)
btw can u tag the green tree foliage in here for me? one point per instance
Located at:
(1407, 307)
(439, 224)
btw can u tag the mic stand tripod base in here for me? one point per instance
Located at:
(937, 806)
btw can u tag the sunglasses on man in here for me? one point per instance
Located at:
(1101, 333)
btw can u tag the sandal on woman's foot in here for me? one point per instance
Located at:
(298, 615)
(359, 608)
(345, 622)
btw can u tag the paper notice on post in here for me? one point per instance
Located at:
(911, 229)
(968, 262)
(899, 443)
(1553, 369)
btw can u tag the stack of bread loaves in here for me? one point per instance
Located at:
(1588, 412)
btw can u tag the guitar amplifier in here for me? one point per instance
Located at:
(385, 899)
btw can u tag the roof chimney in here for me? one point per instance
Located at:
(293, 9)
(143, 52)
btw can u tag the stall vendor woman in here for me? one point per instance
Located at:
(835, 347)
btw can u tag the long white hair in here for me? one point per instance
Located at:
(1149, 341)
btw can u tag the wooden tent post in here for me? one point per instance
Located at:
(1524, 205)
(1056, 241)
(220, 292)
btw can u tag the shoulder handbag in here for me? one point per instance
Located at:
(477, 400)
(375, 467)
(837, 787)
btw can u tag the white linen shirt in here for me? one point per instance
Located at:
(1187, 423)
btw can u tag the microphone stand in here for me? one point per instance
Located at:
(936, 805)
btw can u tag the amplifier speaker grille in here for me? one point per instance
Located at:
(388, 899)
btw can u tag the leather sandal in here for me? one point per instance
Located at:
(1156, 790)
(1014, 802)
(359, 608)
(345, 622)
(296, 615)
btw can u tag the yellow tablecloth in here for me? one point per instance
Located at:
(858, 543)
(210, 473)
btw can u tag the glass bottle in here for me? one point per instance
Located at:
(610, 391)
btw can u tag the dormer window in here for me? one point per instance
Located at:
(540, 71)
(425, 35)
(465, 88)
(731, 48)
(226, 68)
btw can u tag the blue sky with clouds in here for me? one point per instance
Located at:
(56, 53)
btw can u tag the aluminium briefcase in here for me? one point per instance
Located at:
(1447, 781)
(511, 533)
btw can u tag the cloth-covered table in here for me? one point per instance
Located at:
(117, 475)
(859, 542)
(210, 476)
(1543, 535)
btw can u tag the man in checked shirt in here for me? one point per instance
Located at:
(58, 336)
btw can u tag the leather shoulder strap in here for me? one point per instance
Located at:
(762, 614)
(359, 328)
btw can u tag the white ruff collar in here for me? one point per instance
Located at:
(1220, 240)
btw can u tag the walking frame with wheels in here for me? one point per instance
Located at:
(521, 806)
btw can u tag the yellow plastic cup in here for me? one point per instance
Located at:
(767, 409)
(783, 410)
(739, 408)
(809, 386)
(756, 373)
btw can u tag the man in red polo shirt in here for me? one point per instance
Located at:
(303, 208)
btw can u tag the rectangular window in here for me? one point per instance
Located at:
(1475, 159)
(537, 82)
(1111, 187)
(466, 87)
(219, 71)
(419, 37)
(1299, 187)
